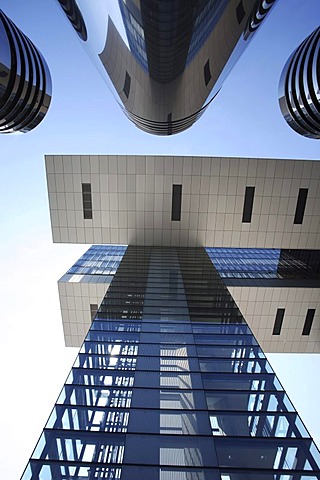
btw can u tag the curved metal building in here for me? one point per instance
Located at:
(299, 89)
(25, 82)
(165, 61)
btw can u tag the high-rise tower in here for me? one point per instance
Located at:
(25, 81)
(169, 383)
(165, 61)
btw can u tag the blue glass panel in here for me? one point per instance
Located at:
(241, 381)
(222, 339)
(95, 396)
(236, 366)
(282, 454)
(80, 446)
(258, 425)
(230, 352)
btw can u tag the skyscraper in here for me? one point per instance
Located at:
(25, 81)
(170, 381)
(299, 94)
(165, 61)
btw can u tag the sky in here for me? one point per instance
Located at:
(244, 121)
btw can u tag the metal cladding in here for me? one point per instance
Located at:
(25, 82)
(258, 15)
(299, 88)
(74, 15)
(165, 60)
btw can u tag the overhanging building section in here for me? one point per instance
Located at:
(261, 281)
(132, 202)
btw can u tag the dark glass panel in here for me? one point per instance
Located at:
(282, 454)
(301, 205)
(230, 352)
(235, 366)
(169, 399)
(168, 450)
(176, 203)
(249, 401)
(258, 425)
(278, 321)
(242, 381)
(248, 205)
(308, 321)
(95, 396)
(87, 419)
(80, 446)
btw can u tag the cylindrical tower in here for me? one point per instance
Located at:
(299, 89)
(25, 82)
(165, 61)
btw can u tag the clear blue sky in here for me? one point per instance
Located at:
(244, 120)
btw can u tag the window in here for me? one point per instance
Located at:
(278, 321)
(248, 205)
(308, 321)
(301, 205)
(207, 73)
(93, 310)
(127, 84)
(169, 122)
(176, 203)
(87, 201)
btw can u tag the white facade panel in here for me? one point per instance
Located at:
(132, 199)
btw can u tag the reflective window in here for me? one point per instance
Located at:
(242, 381)
(166, 450)
(262, 425)
(212, 339)
(286, 454)
(80, 418)
(230, 352)
(84, 447)
(99, 260)
(235, 366)
(95, 397)
(84, 377)
(169, 398)
(247, 401)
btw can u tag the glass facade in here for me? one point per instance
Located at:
(170, 383)
(233, 263)
(99, 260)
(266, 263)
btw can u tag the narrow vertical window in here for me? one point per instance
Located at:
(207, 73)
(93, 310)
(87, 201)
(169, 122)
(240, 12)
(278, 321)
(308, 321)
(127, 84)
(248, 205)
(301, 205)
(176, 203)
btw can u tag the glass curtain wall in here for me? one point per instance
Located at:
(170, 383)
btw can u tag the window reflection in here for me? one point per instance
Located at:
(261, 425)
(86, 419)
(246, 401)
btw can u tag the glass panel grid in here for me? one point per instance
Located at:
(169, 393)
